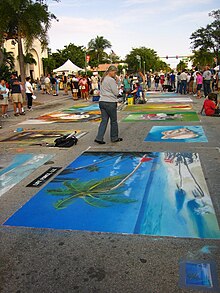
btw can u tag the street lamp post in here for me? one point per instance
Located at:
(139, 60)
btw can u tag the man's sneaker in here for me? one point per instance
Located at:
(16, 114)
(118, 139)
(99, 141)
(22, 113)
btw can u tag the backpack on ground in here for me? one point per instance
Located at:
(66, 141)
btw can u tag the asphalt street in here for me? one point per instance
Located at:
(47, 260)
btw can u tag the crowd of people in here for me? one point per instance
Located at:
(81, 86)
(205, 83)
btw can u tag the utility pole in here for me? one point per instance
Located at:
(139, 60)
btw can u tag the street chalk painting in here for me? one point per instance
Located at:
(155, 107)
(74, 114)
(135, 193)
(63, 117)
(162, 116)
(169, 100)
(161, 94)
(198, 275)
(14, 168)
(81, 108)
(34, 136)
(176, 134)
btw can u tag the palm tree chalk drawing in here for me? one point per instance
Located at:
(126, 192)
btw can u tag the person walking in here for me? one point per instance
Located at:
(75, 87)
(156, 81)
(173, 80)
(47, 83)
(127, 87)
(108, 106)
(207, 76)
(29, 93)
(183, 82)
(84, 88)
(199, 80)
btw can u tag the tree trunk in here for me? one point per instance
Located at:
(1, 54)
(21, 64)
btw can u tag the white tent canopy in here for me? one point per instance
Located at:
(68, 66)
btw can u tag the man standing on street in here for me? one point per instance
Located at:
(183, 82)
(15, 86)
(207, 76)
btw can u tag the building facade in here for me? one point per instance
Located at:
(32, 70)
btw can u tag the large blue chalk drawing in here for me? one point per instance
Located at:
(136, 193)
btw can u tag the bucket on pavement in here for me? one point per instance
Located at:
(19, 129)
(131, 101)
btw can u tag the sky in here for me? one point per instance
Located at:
(164, 26)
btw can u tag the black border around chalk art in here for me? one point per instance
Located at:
(40, 180)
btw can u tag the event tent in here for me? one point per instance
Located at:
(68, 66)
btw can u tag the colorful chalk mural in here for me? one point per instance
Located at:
(63, 117)
(136, 193)
(176, 134)
(169, 100)
(34, 136)
(162, 94)
(162, 116)
(81, 108)
(155, 107)
(77, 113)
(14, 168)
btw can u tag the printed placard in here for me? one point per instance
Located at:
(44, 177)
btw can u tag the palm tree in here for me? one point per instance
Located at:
(7, 63)
(98, 45)
(98, 193)
(24, 19)
(7, 58)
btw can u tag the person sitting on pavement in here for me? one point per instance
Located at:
(137, 92)
(211, 105)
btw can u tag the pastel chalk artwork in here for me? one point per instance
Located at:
(189, 134)
(125, 192)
